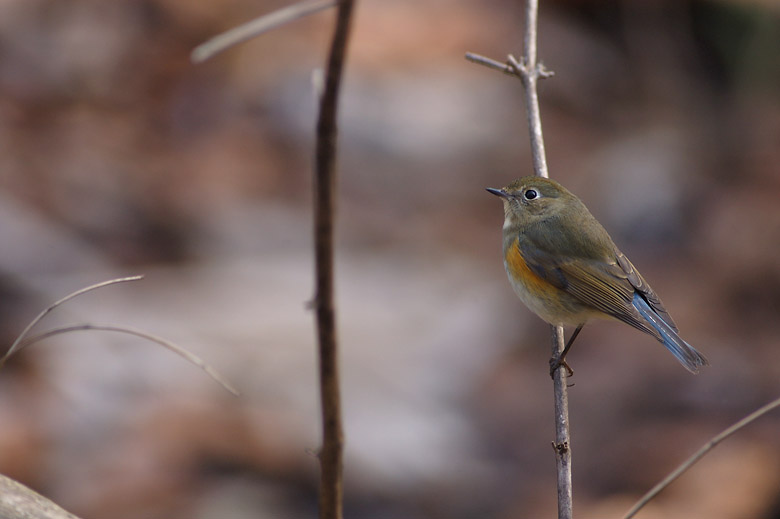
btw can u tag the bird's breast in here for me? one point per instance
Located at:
(544, 299)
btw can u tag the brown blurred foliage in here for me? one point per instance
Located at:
(117, 156)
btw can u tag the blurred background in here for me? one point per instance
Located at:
(119, 157)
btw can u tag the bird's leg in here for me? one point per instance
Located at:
(556, 361)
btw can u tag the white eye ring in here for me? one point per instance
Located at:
(530, 194)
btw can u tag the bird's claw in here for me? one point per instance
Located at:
(556, 362)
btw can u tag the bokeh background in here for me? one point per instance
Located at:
(118, 157)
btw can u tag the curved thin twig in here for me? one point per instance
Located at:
(256, 27)
(16, 345)
(187, 355)
(707, 447)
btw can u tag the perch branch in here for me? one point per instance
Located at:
(562, 445)
(529, 71)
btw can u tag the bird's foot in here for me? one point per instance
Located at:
(556, 362)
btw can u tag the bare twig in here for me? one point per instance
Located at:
(256, 27)
(24, 340)
(16, 345)
(707, 447)
(331, 463)
(529, 70)
(490, 63)
(506, 67)
(191, 357)
(331, 452)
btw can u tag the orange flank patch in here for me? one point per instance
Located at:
(552, 304)
(531, 283)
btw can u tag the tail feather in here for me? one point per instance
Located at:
(685, 353)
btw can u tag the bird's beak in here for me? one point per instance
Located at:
(497, 192)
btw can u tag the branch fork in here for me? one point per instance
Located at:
(512, 66)
(524, 71)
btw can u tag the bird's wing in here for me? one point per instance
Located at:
(603, 284)
(638, 282)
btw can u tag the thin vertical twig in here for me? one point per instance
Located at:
(529, 74)
(331, 453)
(529, 70)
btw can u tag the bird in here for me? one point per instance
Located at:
(564, 266)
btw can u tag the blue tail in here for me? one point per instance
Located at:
(685, 353)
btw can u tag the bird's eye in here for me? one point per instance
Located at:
(530, 194)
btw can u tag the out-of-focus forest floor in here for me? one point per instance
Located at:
(118, 157)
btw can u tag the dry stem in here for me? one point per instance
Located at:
(331, 454)
(707, 447)
(256, 27)
(182, 352)
(17, 343)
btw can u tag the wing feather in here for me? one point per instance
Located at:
(607, 284)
